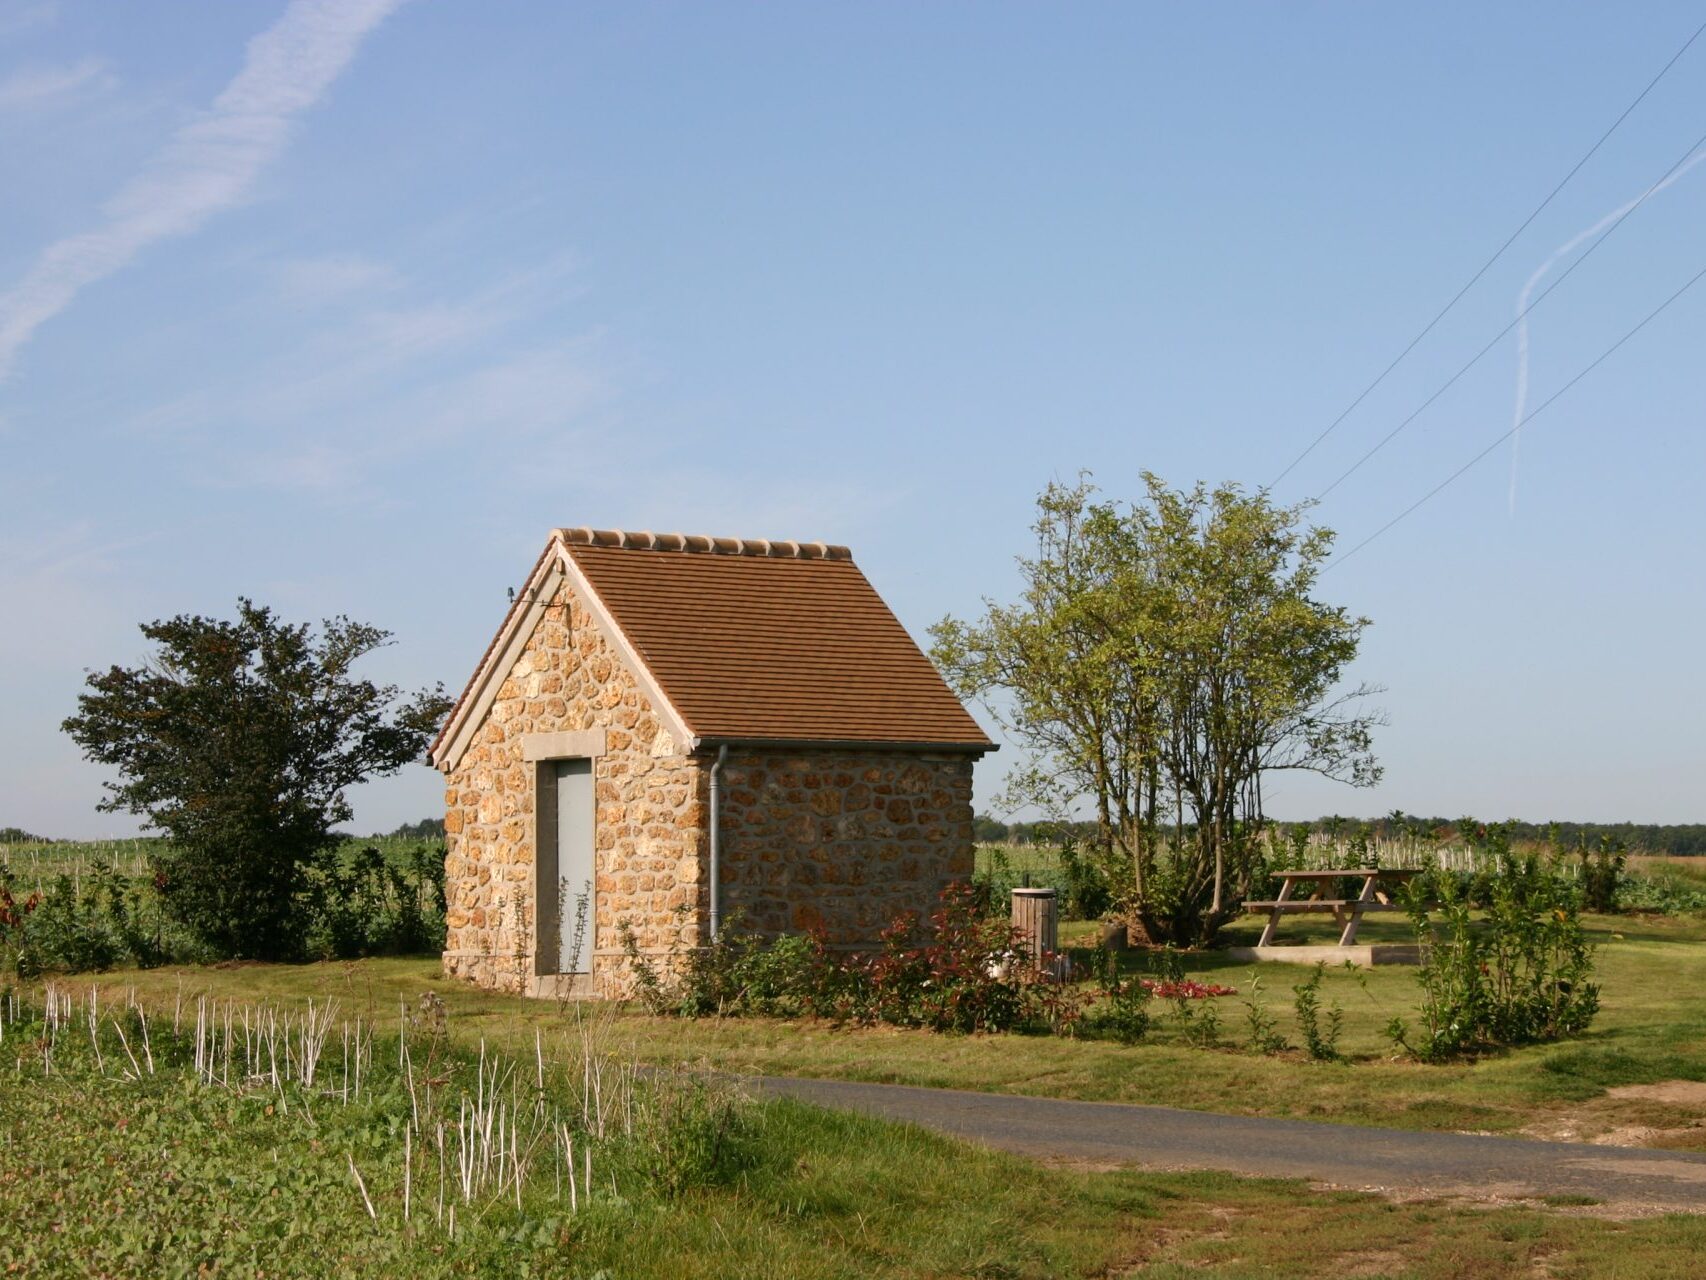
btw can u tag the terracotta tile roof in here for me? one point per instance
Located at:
(755, 639)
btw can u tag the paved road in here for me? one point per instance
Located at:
(1339, 1155)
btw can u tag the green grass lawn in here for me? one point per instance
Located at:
(1651, 1028)
(160, 1176)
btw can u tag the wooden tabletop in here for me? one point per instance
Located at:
(1393, 873)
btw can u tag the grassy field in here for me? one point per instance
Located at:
(1651, 1029)
(133, 1169)
(129, 1176)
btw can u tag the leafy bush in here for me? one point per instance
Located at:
(737, 973)
(1602, 873)
(365, 905)
(1123, 1012)
(695, 1135)
(98, 921)
(1084, 885)
(1320, 1034)
(1661, 894)
(1265, 1035)
(240, 741)
(1520, 976)
(1089, 894)
(959, 970)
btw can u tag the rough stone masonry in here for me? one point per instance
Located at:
(839, 839)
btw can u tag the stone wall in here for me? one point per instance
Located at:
(841, 840)
(651, 820)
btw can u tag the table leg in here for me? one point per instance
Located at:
(1272, 925)
(1349, 936)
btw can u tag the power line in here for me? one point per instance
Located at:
(1527, 418)
(1520, 316)
(1485, 266)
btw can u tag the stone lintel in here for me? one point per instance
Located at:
(570, 744)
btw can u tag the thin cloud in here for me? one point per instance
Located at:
(313, 282)
(1520, 410)
(208, 167)
(43, 86)
(22, 17)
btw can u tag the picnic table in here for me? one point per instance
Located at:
(1372, 895)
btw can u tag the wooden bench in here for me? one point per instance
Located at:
(1347, 912)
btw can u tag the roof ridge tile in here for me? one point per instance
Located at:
(646, 540)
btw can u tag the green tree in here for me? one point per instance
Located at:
(239, 741)
(1163, 657)
(1064, 670)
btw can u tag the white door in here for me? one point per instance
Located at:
(565, 870)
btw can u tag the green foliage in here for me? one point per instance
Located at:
(1089, 895)
(97, 921)
(364, 904)
(957, 971)
(355, 903)
(737, 973)
(239, 740)
(1320, 1032)
(698, 1136)
(1521, 975)
(1663, 892)
(170, 1168)
(1263, 1028)
(1073, 869)
(1162, 659)
(1123, 1012)
(425, 829)
(1602, 873)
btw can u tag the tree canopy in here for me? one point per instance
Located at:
(1162, 658)
(239, 741)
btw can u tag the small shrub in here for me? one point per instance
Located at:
(957, 971)
(698, 1135)
(1204, 1030)
(1123, 1013)
(1663, 894)
(1602, 874)
(1264, 1031)
(738, 973)
(97, 922)
(362, 904)
(1523, 975)
(14, 917)
(1320, 1032)
(649, 987)
(1089, 896)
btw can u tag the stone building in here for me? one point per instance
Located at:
(669, 733)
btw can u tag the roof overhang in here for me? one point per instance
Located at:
(847, 744)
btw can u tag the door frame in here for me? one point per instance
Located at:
(547, 922)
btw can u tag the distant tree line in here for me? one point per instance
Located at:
(17, 835)
(1678, 839)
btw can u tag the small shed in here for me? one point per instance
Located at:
(669, 732)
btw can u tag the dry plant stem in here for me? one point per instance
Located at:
(365, 1198)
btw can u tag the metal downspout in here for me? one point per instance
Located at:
(716, 840)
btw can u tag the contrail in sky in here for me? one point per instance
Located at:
(1562, 251)
(207, 167)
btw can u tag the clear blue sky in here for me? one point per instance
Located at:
(348, 318)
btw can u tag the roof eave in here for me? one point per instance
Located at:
(711, 742)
